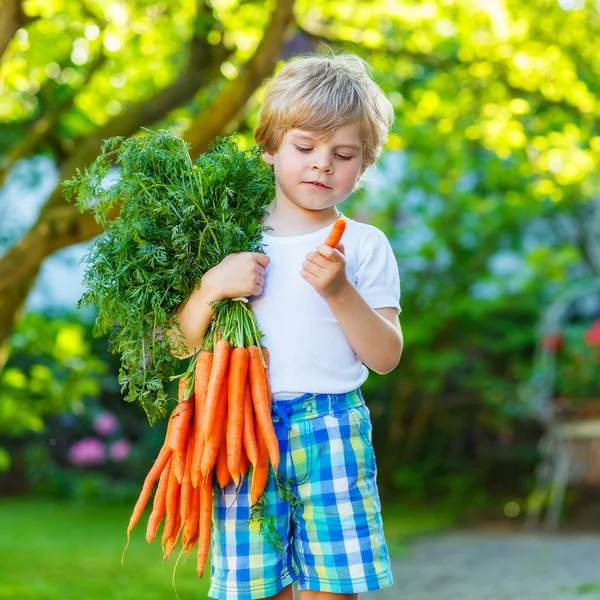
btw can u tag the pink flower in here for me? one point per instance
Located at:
(119, 450)
(87, 452)
(105, 423)
(592, 335)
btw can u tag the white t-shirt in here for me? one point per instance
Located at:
(309, 352)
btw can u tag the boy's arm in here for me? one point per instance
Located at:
(374, 334)
(194, 318)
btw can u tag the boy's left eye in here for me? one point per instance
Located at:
(307, 150)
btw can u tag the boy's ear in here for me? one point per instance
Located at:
(268, 158)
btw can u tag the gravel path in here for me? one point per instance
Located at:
(496, 566)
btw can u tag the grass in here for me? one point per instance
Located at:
(51, 550)
(402, 523)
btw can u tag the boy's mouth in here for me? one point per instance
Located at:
(318, 184)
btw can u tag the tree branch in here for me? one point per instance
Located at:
(234, 96)
(202, 67)
(12, 18)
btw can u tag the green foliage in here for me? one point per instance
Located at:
(177, 220)
(51, 367)
(577, 365)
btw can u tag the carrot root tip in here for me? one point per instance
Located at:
(123, 553)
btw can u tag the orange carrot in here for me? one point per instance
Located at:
(221, 470)
(158, 506)
(201, 377)
(215, 383)
(177, 420)
(260, 474)
(213, 444)
(249, 431)
(171, 542)
(266, 355)
(238, 374)
(178, 465)
(153, 475)
(182, 417)
(185, 501)
(335, 235)
(262, 408)
(171, 508)
(189, 546)
(190, 527)
(205, 520)
(244, 463)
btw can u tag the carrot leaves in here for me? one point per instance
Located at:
(166, 221)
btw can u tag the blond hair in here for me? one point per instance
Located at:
(320, 94)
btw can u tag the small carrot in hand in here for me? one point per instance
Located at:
(335, 235)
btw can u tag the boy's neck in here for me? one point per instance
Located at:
(287, 223)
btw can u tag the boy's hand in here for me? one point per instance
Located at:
(237, 275)
(325, 270)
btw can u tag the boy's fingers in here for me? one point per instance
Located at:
(340, 247)
(311, 266)
(316, 259)
(262, 259)
(326, 251)
(331, 253)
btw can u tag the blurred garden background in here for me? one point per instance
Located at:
(488, 191)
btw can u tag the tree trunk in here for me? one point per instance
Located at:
(12, 18)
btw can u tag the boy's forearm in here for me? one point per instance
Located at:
(374, 339)
(194, 319)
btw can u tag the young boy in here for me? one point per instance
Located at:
(326, 314)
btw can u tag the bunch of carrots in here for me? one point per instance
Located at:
(220, 427)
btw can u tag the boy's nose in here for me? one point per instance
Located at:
(322, 164)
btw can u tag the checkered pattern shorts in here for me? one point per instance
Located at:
(333, 536)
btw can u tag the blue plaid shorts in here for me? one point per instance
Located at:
(333, 535)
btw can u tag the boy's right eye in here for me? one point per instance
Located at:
(302, 149)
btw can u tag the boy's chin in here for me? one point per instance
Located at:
(316, 208)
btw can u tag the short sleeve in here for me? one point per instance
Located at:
(377, 277)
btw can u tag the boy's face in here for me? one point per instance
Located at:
(315, 174)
